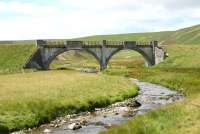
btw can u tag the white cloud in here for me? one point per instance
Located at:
(97, 4)
(2, 6)
(73, 18)
(28, 9)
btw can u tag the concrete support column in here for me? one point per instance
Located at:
(154, 46)
(103, 62)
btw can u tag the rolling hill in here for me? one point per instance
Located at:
(190, 35)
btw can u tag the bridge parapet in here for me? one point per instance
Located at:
(73, 43)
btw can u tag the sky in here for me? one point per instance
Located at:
(57, 19)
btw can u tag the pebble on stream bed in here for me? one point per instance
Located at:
(47, 130)
(74, 126)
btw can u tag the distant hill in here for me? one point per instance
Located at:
(190, 35)
(160, 36)
(19, 42)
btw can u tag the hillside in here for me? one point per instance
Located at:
(160, 36)
(190, 35)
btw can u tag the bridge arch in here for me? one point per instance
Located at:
(148, 61)
(61, 50)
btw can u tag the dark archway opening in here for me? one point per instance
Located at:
(75, 60)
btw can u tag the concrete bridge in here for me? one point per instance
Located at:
(101, 50)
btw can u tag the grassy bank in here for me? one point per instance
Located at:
(14, 57)
(181, 71)
(31, 99)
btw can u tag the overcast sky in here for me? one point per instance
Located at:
(39, 19)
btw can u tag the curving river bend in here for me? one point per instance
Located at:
(150, 96)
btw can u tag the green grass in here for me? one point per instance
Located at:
(30, 99)
(14, 57)
(181, 72)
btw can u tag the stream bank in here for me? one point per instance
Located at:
(151, 96)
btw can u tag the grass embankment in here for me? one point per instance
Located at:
(14, 57)
(181, 71)
(31, 99)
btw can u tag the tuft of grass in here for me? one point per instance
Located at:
(31, 99)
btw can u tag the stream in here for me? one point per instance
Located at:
(150, 96)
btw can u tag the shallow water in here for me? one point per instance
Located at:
(150, 96)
